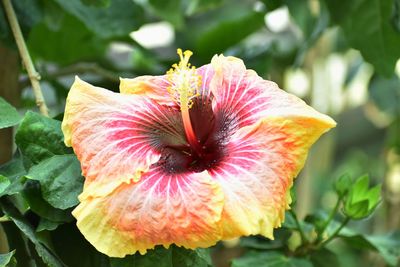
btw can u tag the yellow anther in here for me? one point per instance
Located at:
(184, 81)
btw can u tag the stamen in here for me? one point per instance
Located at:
(185, 86)
(184, 80)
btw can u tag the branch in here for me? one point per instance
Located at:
(299, 228)
(26, 58)
(75, 69)
(335, 233)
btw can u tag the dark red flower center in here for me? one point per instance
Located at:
(212, 131)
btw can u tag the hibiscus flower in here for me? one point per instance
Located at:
(188, 158)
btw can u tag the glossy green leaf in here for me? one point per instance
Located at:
(5, 259)
(269, 259)
(48, 225)
(281, 236)
(13, 170)
(118, 19)
(25, 227)
(60, 179)
(388, 245)
(324, 258)
(33, 196)
(367, 27)
(62, 42)
(39, 138)
(9, 116)
(4, 183)
(162, 257)
(72, 247)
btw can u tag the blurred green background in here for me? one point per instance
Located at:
(341, 57)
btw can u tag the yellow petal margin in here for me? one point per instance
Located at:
(276, 130)
(161, 209)
(109, 135)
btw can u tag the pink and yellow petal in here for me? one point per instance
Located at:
(113, 135)
(256, 175)
(243, 94)
(154, 87)
(160, 209)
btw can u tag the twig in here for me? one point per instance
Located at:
(331, 215)
(75, 69)
(26, 59)
(299, 228)
(337, 231)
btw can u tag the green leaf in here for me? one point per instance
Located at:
(273, 4)
(62, 42)
(9, 116)
(170, 10)
(396, 15)
(119, 19)
(4, 183)
(324, 258)
(318, 220)
(97, 3)
(385, 93)
(28, 14)
(60, 179)
(367, 27)
(198, 6)
(217, 38)
(162, 257)
(281, 237)
(269, 259)
(32, 195)
(44, 252)
(5, 259)
(388, 245)
(39, 138)
(75, 250)
(13, 170)
(312, 27)
(48, 225)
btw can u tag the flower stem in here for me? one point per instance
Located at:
(331, 215)
(302, 235)
(26, 58)
(337, 231)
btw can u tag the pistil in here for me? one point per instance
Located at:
(184, 87)
(190, 134)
